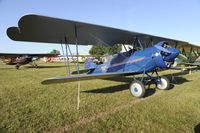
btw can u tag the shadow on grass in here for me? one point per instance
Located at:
(110, 89)
(177, 78)
(118, 88)
(149, 92)
(128, 80)
(197, 128)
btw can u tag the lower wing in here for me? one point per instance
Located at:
(64, 79)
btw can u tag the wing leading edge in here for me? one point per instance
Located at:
(64, 79)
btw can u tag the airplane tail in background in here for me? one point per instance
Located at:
(89, 64)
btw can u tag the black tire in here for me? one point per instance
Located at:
(137, 89)
(164, 84)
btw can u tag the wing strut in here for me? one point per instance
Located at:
(76, 63)
(124, 47)
(67, 66)
(67, 57)
(176, 44)
(79, 84)
(190, 55)
(150, 43)
(137, 43)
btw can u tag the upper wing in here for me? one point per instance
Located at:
(64, 79)
(35, 28)
(26, 54)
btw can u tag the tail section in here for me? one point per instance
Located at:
(89, 64)
(89, 67)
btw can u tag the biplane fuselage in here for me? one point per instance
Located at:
(138, 61)
(36, 28)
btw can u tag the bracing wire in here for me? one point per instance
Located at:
(64, 56)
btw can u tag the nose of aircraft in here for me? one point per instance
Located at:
(173, 54)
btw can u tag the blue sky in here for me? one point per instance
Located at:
(177, 19)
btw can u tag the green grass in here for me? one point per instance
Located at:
(106, 105)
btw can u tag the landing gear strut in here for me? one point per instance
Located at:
(33, 64)
(17, 66)
(36, 66)
(137, 88)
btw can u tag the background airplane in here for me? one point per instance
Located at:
(189, 57)
(22, 59)
(192, 55)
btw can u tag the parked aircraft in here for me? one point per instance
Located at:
(190, 55)
(18, 59)
(149, 52)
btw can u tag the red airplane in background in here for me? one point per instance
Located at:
(23, 59)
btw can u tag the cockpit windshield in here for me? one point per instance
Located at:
(166, 45)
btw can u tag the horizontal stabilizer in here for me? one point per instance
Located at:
(64, 79)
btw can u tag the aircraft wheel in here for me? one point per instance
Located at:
(164, 83)
(137, 89)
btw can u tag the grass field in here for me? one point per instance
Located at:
(106, 105)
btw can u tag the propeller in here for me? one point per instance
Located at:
(168, 53)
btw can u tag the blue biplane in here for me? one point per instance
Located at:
(149, 52)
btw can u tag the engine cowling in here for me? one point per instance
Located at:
(166, 53)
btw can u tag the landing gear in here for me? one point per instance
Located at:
(17, 66)
(36, 66)
(33, 64)
(137, 89)
(163, 83)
